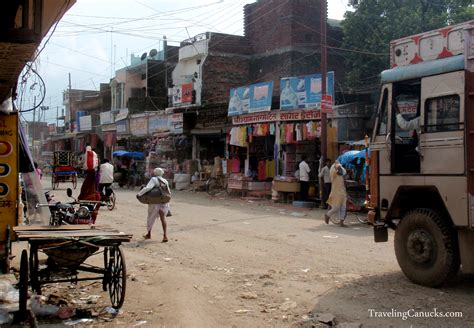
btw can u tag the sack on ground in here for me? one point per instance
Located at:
(158, 195)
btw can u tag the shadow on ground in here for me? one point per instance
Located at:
(356, 301)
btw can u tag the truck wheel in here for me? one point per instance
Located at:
(426, 248)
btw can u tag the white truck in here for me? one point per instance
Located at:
(422, 154)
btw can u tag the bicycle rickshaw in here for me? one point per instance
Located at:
(354, 161)
(63, 169)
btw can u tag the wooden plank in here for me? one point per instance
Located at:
(73, 233)
(62, 227)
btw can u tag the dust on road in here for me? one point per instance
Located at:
(239, 263)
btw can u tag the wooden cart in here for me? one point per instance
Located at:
(67, 248)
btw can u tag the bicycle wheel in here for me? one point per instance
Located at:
(111, 202)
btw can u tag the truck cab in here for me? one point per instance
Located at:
(422, 162)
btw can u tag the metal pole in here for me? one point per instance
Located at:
(324, 120)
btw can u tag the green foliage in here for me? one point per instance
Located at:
(374, 23)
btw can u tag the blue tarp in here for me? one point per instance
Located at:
(355, 160)
(132, 154)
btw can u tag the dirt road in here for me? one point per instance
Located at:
(239, 263)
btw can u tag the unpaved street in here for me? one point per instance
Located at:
(238, 263)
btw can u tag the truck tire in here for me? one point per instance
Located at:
(426, 248)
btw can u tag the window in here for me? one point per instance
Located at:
(442, 114)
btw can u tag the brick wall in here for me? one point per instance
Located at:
(220, 73)
(272, 25)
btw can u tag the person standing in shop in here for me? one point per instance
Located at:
(304, 170)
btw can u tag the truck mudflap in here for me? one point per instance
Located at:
(380, 228)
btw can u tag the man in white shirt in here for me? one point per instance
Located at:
(304, 178)
(324, 174)
(106, 176)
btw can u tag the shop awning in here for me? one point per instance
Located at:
(123, 114)
(131, 154)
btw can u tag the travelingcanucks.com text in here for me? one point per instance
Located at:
(412, 313)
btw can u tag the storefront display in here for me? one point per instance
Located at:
(272, 148)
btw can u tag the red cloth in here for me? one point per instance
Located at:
(262, 171)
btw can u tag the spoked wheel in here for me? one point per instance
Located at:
(117, 277)
(5, 265)
(34, 266)
(107, 273)
(23, 284)
(212, 187)
(74, 180)
(111, 202)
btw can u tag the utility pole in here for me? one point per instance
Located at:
(324, 118)
(70, 104)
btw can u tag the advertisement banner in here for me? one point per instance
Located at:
(139, 126)
(187, 93)
(106, 118)
(304, 92)
(122, 127)
(176, 123)
(158, 124)
(8, 172)
(77, 128)
(251, 99)
(177, 95)
(85, 123)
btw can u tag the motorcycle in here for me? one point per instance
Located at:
(75, 212)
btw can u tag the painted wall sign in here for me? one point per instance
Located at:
(275, 116)
(8, 171)
(139, 126)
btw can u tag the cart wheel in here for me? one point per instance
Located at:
(106, 275)
(34, 265)
(74, 180)
(111, 202)
(5, 264)
(117, 279)
(53, 184)
(23, 283)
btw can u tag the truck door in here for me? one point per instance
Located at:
(442, 140)
(405, 127)
(381, 137)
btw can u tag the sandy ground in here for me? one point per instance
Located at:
(232, 262)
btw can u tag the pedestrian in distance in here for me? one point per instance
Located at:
(304, 170)
(324, 174)
(156, 210)
(338, 196)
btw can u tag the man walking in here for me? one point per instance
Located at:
(304, 178)
(338, 197)
(324, 174)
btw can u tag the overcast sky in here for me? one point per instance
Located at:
(95, 38)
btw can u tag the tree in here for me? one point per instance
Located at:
(369, 29)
